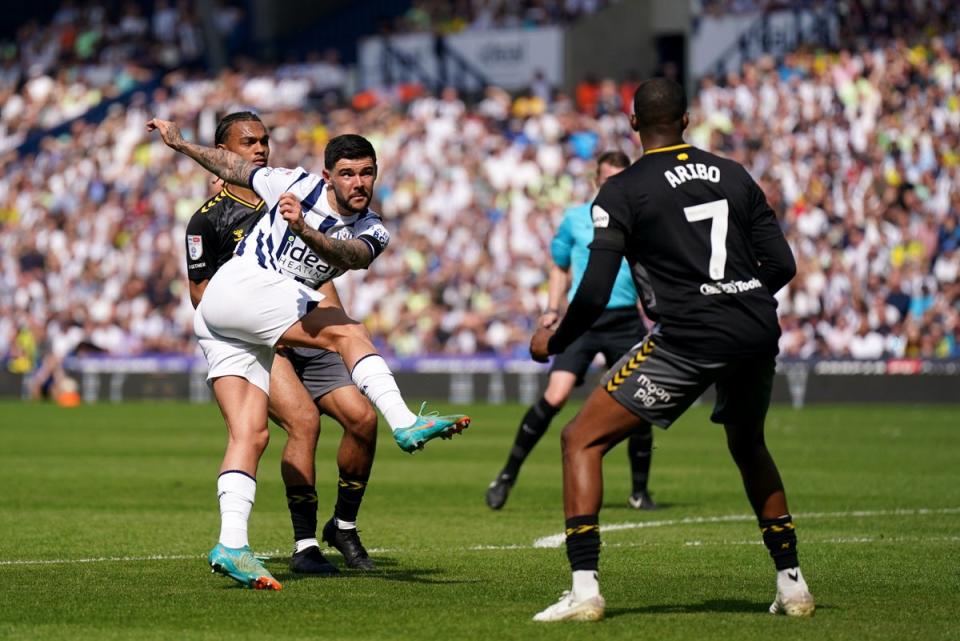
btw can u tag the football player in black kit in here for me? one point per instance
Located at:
(305, 383)
(707, 255)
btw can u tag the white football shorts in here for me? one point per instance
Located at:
(254, 305)
(231, 357)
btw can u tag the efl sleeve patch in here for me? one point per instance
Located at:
(195, 247)
(601, 219)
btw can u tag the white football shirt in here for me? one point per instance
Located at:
(270, 243)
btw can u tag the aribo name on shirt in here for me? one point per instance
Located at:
(691, 171)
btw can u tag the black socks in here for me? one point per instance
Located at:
(350, 491)
(640, 449)
(583, 542)
(535, 422)
(302, 503)
(781, 539)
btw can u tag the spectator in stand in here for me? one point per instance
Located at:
(856, 152)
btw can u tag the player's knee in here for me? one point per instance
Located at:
(306, 425)
(556, 397)
(302, 421)
(260, 439)
(363, 426)
(570, 441)
(345, 333)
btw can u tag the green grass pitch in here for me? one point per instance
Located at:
(107, 511)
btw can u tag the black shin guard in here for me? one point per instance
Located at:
(350, 491)
(583, 542)
(302, 503)
(781, 539)
(535, 422)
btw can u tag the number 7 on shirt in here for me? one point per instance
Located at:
(717, 212)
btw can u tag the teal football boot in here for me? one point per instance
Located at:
(428, 427)
(240, 565)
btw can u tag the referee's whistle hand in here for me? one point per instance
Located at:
(538, 344)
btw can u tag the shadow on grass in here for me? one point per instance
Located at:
(713, 605)
(387, 569)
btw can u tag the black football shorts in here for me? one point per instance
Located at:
(321, 371)
(614, 333)
(659, 385)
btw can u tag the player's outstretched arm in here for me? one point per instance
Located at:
(231, 167)
(585, 308)
(344, 254)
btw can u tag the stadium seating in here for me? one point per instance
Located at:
(855, 150)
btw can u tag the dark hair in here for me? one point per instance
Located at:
(659, 103)
(614, 158)
(223, 127)
(349, 146)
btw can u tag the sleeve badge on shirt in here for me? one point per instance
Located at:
(601, 219)
(195, 247)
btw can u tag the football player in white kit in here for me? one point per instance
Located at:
(263, 298)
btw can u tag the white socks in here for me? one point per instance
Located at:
(376, 381)
(303, 544)
(345, 525)
(585, 584)
(236, 492)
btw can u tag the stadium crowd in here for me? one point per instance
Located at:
(856, 152)
(451, 16)
(52, 73)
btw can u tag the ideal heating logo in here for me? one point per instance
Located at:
(296, 252)
(298, 260)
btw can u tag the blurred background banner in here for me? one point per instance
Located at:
(497, 381)
(507, 58)
(487, 116)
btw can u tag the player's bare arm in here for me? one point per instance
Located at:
(585, 308)
(196, 291)
(231, 167)
(344, 254)
(557, 284)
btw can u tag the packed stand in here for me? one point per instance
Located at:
(452, 16)
(856, 152)
(53, 73)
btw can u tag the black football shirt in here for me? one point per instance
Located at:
(705, 249)
(214, 231)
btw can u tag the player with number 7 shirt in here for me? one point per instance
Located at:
(707, 255)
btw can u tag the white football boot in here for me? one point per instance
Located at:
(793, 595)
(570, 608)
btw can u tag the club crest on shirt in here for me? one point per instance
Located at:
(195, 247)
(601, 218)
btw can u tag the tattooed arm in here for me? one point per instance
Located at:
(344, 254)
(229, 166)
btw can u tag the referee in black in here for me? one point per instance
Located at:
(707, 255)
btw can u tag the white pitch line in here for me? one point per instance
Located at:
(152, 557)
(835, 540)
(556, 540)
(104, 559)
(544, 541)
